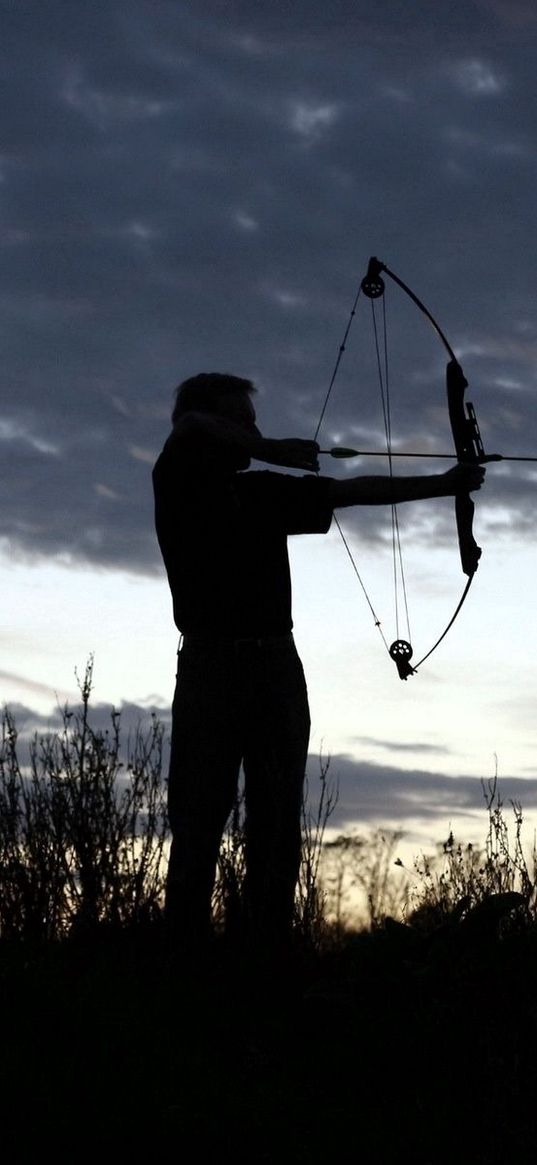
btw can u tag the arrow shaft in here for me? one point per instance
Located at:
(342, 452)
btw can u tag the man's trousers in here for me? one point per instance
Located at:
(241, 702)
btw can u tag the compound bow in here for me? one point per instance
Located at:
(468, 449)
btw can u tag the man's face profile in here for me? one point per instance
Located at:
(238, 407)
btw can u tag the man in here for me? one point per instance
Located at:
(240, 695)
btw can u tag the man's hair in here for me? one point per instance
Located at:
(203, 392)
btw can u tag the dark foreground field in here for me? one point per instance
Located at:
(394, 1045)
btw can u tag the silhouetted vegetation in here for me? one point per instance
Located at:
(82, 831)
(410, 1032)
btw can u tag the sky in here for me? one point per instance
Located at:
(190, 187)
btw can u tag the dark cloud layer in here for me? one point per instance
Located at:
(390, 796)
(197, 186)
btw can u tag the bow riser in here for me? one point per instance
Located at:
(469, 450)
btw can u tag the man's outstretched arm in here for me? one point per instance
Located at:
(379, 491)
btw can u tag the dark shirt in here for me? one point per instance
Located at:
(223, 538)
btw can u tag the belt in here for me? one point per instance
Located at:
(221, 641)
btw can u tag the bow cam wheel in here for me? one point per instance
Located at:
(401, 653)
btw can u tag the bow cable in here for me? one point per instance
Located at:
(384, 389)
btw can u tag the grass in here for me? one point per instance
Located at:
(411, 1037)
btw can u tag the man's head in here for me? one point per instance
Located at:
(218, 393)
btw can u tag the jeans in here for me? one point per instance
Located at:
(242, 702)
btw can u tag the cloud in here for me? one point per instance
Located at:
(511, 13)
(311, 120)
(375, 795)
(132, 719)
(415, 746)
(186, 190)
(477, 78)
(27, 684)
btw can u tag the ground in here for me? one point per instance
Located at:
(390, 1044)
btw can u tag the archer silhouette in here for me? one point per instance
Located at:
(240, 695)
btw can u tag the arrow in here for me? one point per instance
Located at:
(341, 452)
